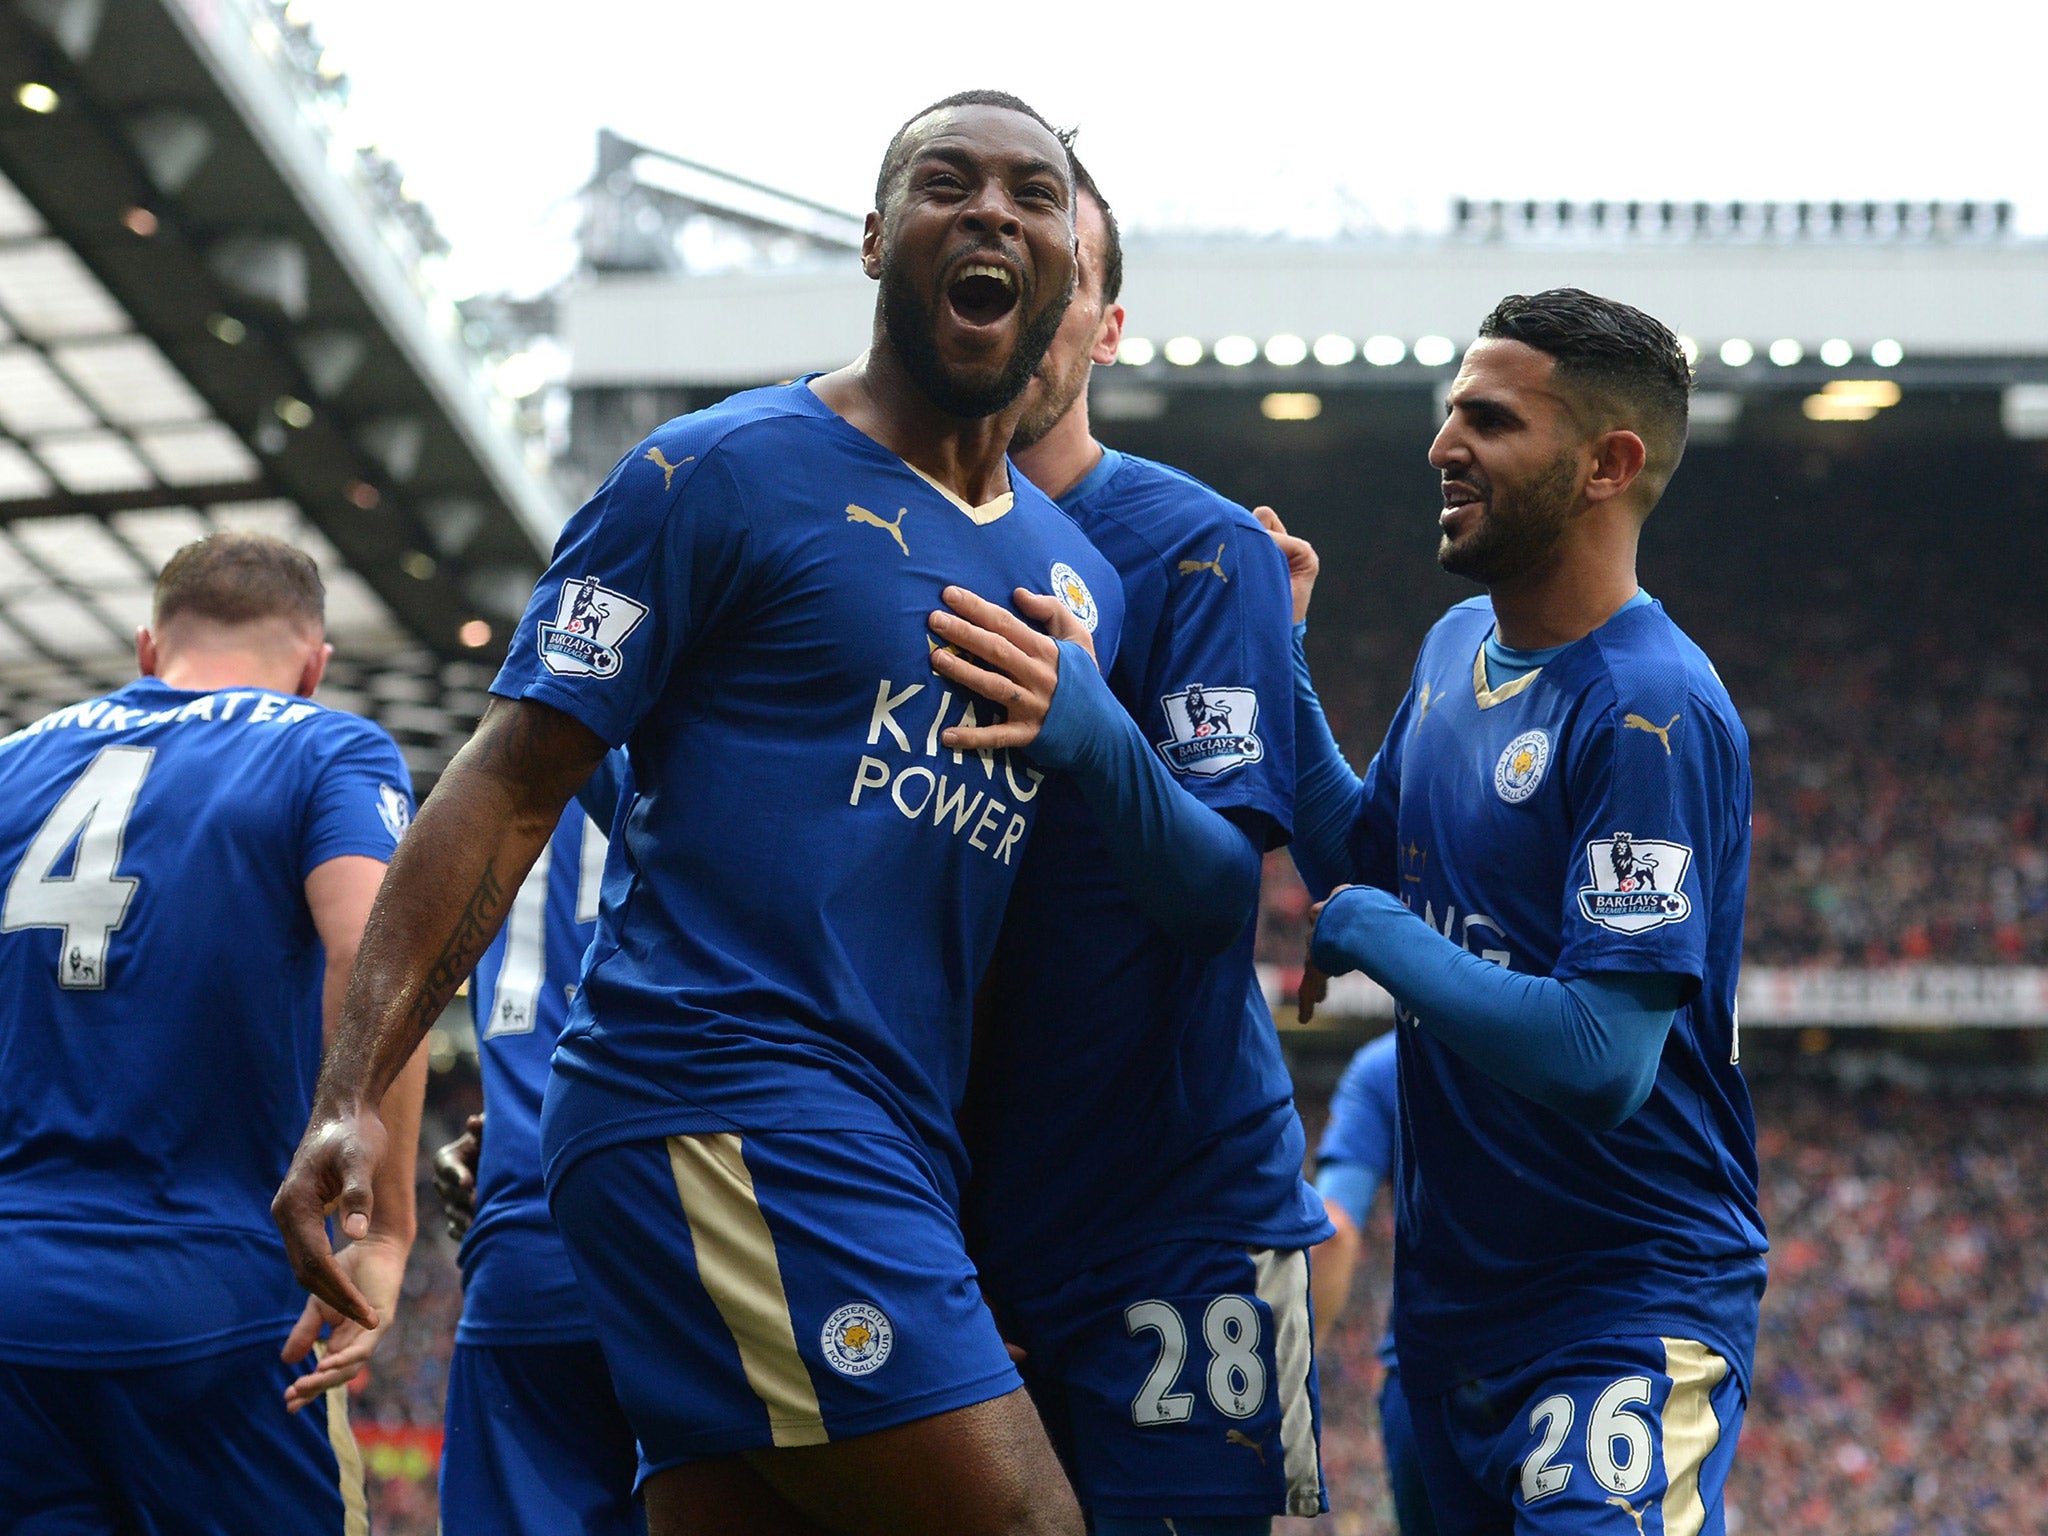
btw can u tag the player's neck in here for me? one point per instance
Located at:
(1061, 459)
(215, 671)
(1567, 602)
(876, 394)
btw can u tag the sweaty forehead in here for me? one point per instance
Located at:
(989, 135)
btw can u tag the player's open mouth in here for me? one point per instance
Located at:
(1457, 497)
(982, 293)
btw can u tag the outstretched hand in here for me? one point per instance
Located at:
(1302, 561)
(1023, 664)
(376, 1266)
(331, 1174)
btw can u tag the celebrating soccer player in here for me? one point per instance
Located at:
(1137, 1207)
(535, 1439)
(749, 1132)
(189, 863)
(1551, 851)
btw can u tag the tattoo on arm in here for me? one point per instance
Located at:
(458, 957)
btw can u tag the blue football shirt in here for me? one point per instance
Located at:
(799, 905)
(160, 1026)
(1589, 816)
(1129, 1092)
(1360, 1147)
(517, 1286)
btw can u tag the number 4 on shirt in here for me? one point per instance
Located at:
(90, 902)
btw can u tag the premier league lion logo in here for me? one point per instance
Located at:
(1208, 716)
(1633, 870)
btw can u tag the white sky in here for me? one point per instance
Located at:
(1296, 117)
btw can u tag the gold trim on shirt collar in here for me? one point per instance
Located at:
(1488, 697)
(982, 515)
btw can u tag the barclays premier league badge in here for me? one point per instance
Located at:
(591, 622)
(1213, 730)
(1635, 883)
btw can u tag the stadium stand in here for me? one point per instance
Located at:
(1899, 1383)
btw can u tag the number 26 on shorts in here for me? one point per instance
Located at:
(1619, 1450)
(1236, 1378)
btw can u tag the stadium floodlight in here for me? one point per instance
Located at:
(2023, 412)
(1434, 351)
(1236, 351)
(1887, 353)
(474, 634)
(1384, 351)
(1335, 351)
(36, 97)
(1785, 352)
(1134, 350)
(1285, 350)
(1836, 408)
(226, 329)
(1836, 352)
(1876, 393)
(1183, 351)
(140, 221)
(293, 411)
(418, 564)
(1690, 350)
(1737, 353)
(1291, 405)
(521, 375)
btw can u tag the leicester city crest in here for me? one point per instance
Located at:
(591, 622)
(1074, 595)
(1519, 772)
(857, 1339)
(1214, 730)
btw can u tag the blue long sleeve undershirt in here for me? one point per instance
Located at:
(1191, 870)
(1587, 1048)
(1326, 791)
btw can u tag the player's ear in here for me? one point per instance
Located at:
(1618, 458)
(146, 659)
(871, 246)
(314, 670)
(1110, 337)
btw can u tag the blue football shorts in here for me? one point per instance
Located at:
(535, 1443)
(1639, 1430)
(779, 1288)
(1180, 1382)
(200, 1448)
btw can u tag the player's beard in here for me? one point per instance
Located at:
(912, 329)
(1520, 531)
(1055, 398)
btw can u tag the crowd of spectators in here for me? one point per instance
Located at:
(1900, 776)
(1901, 1383)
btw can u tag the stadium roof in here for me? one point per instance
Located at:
(212, 313)
(1937, 281)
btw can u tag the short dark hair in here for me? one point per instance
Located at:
(238, 578)
(1113, 240)
(1628, 363)
(894, 156)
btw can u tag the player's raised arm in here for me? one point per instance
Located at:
(447, 892)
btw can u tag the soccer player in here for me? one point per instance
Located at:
(749, 1136)
(1552, 851)
(188, 864)
(1137, 1208)
(535, 1440)
(1359, 1152)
